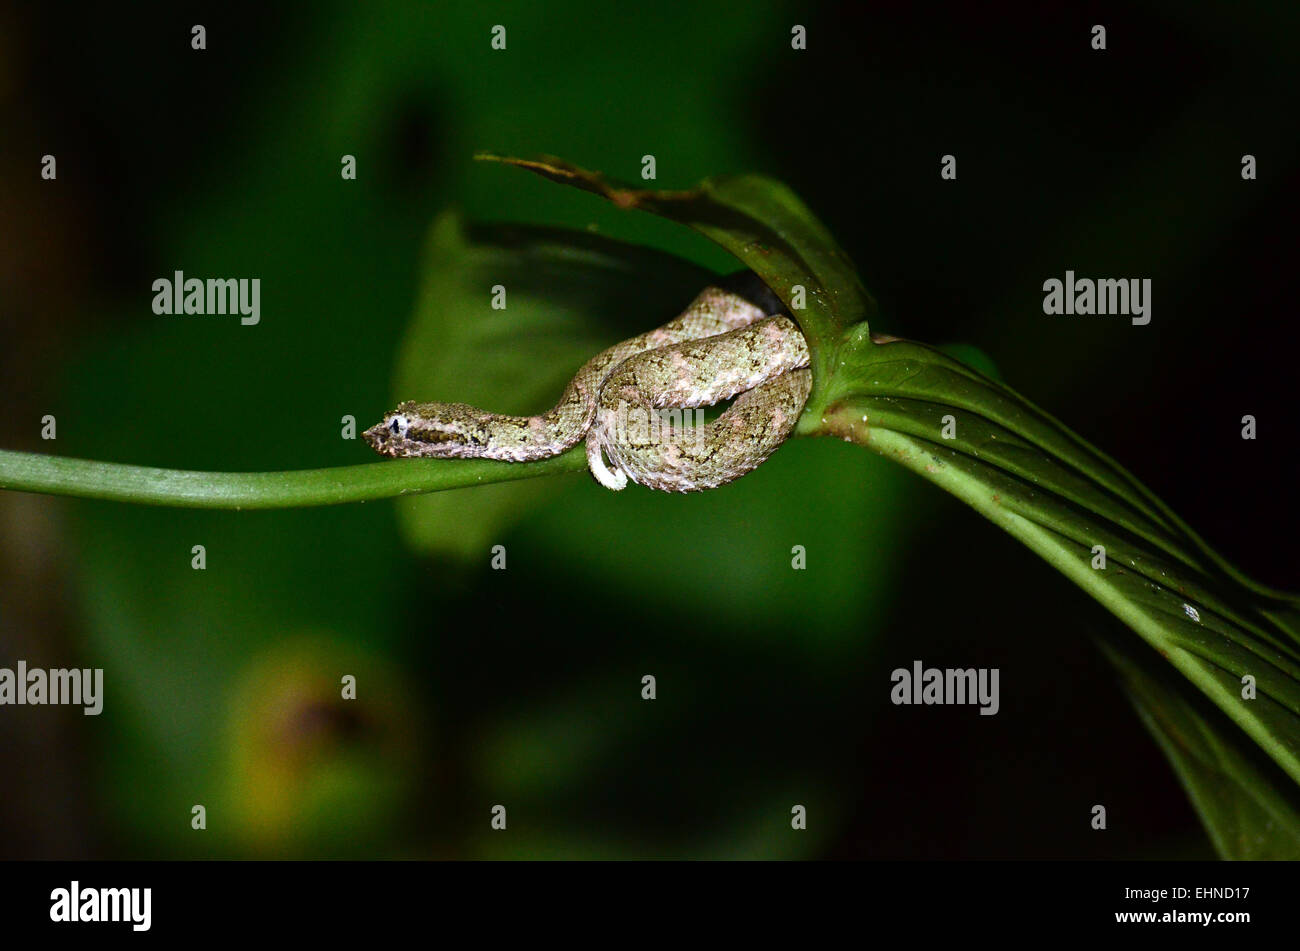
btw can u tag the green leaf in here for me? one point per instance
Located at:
(1020, 468)
(1250, 807)
(1034, 478)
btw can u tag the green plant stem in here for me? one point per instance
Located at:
(57, 475)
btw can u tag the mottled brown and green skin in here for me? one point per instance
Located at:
(722, 345)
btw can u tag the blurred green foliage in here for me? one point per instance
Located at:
(522, 687)
(339, 277)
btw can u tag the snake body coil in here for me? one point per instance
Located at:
(637, 403)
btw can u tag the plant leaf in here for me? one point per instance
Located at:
(1021, 469)
(1030, 475)
(1250, 807)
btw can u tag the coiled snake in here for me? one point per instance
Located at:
(637, 403)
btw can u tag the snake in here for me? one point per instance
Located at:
(639, 404)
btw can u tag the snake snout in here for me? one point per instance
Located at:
(383, 435)
(377, 437)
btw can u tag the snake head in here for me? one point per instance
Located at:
(431, 430)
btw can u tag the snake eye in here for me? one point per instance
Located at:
(399, 425)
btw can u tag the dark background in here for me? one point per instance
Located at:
(522, 687)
